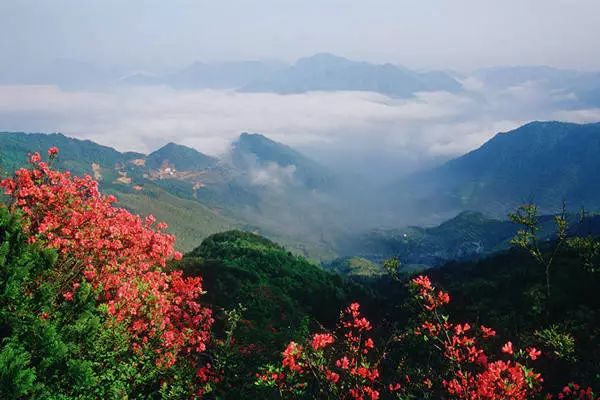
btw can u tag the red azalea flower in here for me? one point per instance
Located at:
(533, 353)
(52, 151)
(507, 348)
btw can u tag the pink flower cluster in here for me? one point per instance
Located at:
(342, 365)
(122, 255)
(474, 376)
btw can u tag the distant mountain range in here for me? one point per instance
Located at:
(568, 88)
(327, 72)
(320, 72)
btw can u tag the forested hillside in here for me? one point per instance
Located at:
(541, 162)
(199, 194)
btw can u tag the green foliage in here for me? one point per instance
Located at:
(558, 343)
(16, 376)
(527, 237)
(226, 356)
(268, 275)
(588, 249)
(356, 267)
(391, 267)
(56, 349)
(508, 291)
(283, 294)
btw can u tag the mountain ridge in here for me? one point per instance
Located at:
(543, 162)
(324, 71)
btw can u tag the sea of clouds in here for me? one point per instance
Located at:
(357, 131)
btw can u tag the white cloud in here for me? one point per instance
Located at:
(347, 125)
(582, 116)
(272, 175)
(141, 118)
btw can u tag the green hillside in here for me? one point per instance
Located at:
(292, 280)
(283, 296)
(188, 220)
(355, 267)
(76, 155)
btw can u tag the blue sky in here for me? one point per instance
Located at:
(446, 34)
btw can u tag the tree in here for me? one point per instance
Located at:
(526, 238)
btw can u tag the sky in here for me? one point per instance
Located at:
(442, 34)
(359, 131)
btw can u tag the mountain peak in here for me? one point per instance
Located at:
(264, 149)
(256, 137)
(255, 149)
(323, 59)
(245, 135)
(539, 135)
(174, 146)
(181, 157)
